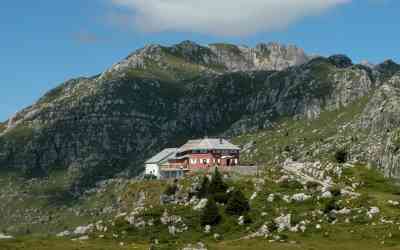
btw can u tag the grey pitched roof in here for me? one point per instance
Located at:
(208, 144)
(163, 156)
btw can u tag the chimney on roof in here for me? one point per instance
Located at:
(221, 141)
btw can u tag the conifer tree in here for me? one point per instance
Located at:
(210, 215)
(237, 204)
(218, 188)
(204, 188)
(217, 185)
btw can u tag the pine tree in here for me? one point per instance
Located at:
(210, 215)
(204, 188)
(217, 185)
(218, 188)
(237, 204)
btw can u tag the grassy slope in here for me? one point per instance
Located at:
(58, 209)
(358, 234)
(297, 136)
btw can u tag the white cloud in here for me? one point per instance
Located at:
(222, 17)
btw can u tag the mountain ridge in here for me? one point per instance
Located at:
(95, 127)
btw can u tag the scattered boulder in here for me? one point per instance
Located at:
(326, 195)
(207, 229)
(5, 237)
(287, 198)
(271, 198)
(172, 230)
(283, 222)
(81, 230)
(241, 220)
(167, 199)
(201, 205)
(263, 231)
(394, 203)
(85, 237)
(373, 211)
(343, 211)
(141, 199)
(175, 223)
(253, 196)
(301, 197)
(64, 234)
(198, 246)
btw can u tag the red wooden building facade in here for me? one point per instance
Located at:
(194, 155)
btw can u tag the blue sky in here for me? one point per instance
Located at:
(45, 42)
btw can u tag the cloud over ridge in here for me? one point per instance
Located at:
(221, 17)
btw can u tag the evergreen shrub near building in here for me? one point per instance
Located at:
(210, 215)
(237, 203)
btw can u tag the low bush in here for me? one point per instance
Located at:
(341, 156)
(336, 191)
(237, 203)
(329, 204)
(312, 185)
(210, 214)
(291, 184)
(171, 190)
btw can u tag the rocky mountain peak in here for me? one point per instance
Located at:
(387, 69)
(341, 61)
(214, 57)
(367, 63)
(187, 44)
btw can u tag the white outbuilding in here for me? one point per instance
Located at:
(153, 165)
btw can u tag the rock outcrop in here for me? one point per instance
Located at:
(159, 96)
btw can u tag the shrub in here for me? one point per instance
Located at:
(210, 214)
(171, 190)
(148, 177)
(291, 184)
(237, 204)
(217, 185)
(272, 226)
(121, 224)
(329, 204)
(336, 191)
(247, 218)
(312, 185)
(221, 197)
(341, 156)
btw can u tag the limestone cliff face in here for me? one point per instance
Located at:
(381, 121)
(270, 56)
(214, 58)
(160, 96)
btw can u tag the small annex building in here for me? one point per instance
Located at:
(194, 155)
(153, 165)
